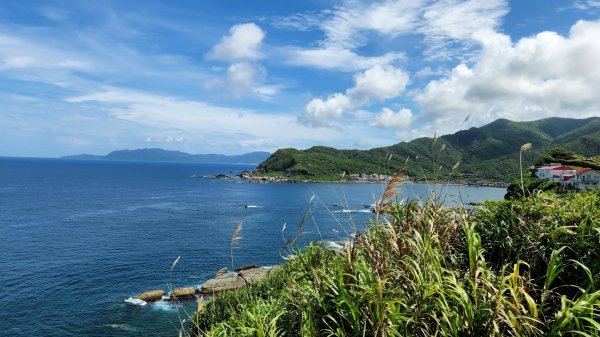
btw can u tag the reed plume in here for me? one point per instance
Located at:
(390, 191)
(524, 147)
(175, 263)
(235, 238)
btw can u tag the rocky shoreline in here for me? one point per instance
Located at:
(374, 178)
(221, 282)
(256, 177)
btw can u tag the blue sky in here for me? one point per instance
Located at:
(238, 76)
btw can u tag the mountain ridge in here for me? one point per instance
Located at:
(161, 155)
(489, 152)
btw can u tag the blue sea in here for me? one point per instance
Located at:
(78, 238)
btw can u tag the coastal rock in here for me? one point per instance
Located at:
(236, 280)
(151, 296)
(242, 268)
(183, 293)
(218, 176)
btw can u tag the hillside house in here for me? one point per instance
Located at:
(556, 172)
(587, 178)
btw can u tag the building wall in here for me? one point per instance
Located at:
(589, 180)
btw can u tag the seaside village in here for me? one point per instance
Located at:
(568, 177)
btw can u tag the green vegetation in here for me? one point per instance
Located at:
(488, 153)
(531, 185)
(569, 158)
(523, 267)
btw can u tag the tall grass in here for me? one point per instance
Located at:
(526, 267)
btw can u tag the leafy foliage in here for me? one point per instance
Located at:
(531, 185)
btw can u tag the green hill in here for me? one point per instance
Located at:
(487, 153)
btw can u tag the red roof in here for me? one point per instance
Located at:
(556, 168)
(583, 170)
(567, 177)
(564, 168)
(556, 176)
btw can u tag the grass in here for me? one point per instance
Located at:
(523, 267)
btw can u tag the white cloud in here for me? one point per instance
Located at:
(378, 83)
(337, 58)
(54, 14)
(320, 112)
(585, 5)
(19, 62)
(446, 25)
(166, 140)
(539, 76)
(242, 76)
(255, 144)
(244, 79)
(348, 23)
(449, 21)
(205, 121)
(23, 54)
(73, 141)
(390, 119)
(242, 43)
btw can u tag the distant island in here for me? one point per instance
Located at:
(161, 155)
(483, 155)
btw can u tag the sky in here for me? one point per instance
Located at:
(238, 76)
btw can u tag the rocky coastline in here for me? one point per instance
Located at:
(259, 177)
(222, 281)
(374, 178)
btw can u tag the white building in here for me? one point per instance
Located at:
(556, 172)
(587, 178)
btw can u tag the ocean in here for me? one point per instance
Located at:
(79, 238)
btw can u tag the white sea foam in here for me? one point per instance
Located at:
(345, 210)
(136, 301)
(251, 206)
(124, 327)
(165, 306)
(334, 245)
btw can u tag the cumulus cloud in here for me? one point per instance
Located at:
(244, 76)
(320, 112)
(390, 119)
(378, 83)
(243, 79)
(539, 76)
(242, 43)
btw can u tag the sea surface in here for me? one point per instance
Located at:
(78, 238)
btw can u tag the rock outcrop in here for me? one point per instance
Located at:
(218, 176)
(235, 280)
(151, 296)
(183, 293)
